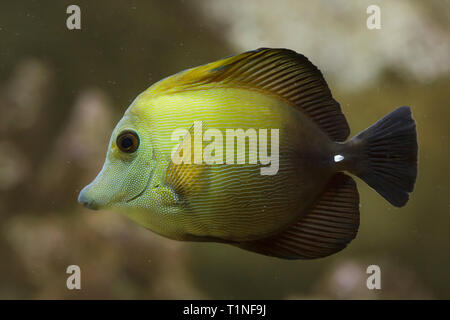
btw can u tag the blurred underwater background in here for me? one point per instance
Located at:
(62, 92)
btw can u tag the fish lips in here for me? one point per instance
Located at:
(87, 201)
(99, 193)
(95, 197)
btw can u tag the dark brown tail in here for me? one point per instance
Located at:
(385, 156)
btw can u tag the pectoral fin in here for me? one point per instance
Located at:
(326, 229)
(186, 177)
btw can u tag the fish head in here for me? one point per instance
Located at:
(127, 171)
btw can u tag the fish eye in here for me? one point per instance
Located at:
(127, 141)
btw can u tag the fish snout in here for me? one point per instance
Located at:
(87, 201)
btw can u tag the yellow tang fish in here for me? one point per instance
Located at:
(250, 151)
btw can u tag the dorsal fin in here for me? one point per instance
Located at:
(326, 229)
(280, 72)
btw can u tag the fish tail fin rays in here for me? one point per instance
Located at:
(387, 156)
(328, 228)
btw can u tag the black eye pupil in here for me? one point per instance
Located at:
(127, 142)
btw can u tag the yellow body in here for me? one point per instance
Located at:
(267, 89)
(238, 203)
(301, 207)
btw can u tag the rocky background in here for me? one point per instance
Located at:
(61, 93)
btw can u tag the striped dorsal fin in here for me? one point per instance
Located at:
(279, 72)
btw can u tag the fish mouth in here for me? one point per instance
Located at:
(150, 176)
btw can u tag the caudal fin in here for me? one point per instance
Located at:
(387, 156)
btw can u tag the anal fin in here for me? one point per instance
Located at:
(328, 228)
